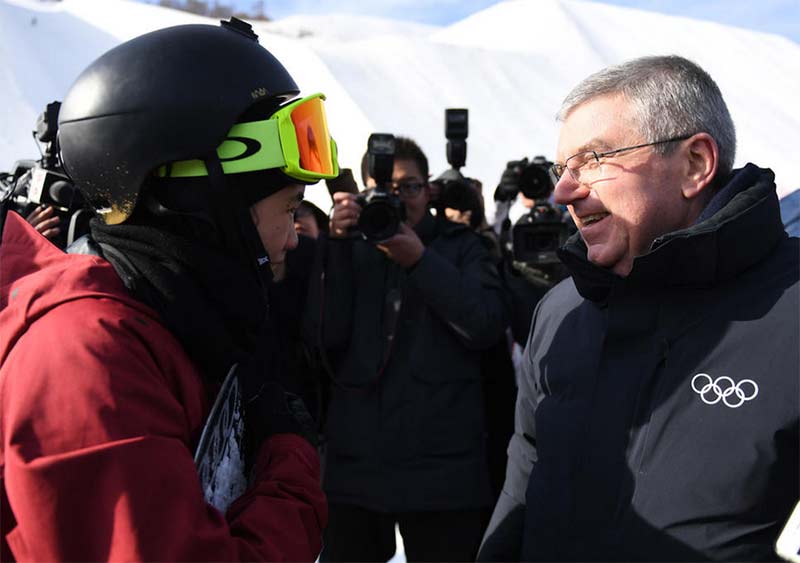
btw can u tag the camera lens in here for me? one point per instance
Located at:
(379, 221)
(535, 181)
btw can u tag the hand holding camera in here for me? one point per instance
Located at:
(377, 212)
(45, 220)
(405, 248)
(345, 214)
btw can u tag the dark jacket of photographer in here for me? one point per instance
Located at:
(405, 428)
(657, 415)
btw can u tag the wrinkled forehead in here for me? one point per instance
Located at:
(602, 123)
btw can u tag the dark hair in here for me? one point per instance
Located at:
(320, 218)
(404, 149)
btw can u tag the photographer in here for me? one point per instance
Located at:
(41, 191)
(460, 200)
(405, 322)
(145, 415)
(310, 221)
(454, 196)
(530, 265)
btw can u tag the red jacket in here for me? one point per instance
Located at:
(100, 409)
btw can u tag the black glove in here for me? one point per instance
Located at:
(273, 410)
(269, 408)
(509, 185)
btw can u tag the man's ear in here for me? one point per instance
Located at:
(702, 156)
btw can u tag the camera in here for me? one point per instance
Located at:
(44, 182)
(382, 212)
(537, 236)
(455, 191)
(532, 242)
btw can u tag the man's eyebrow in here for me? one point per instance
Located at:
(596, 144)
(593, 145)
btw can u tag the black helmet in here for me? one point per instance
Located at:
(168, 95)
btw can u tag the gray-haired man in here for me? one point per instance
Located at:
(657, 418)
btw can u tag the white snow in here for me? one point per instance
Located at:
(510, 64)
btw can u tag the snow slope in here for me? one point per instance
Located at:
(510, 64)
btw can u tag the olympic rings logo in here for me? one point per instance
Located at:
(724, 389)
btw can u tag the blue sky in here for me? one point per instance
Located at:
(774, 16)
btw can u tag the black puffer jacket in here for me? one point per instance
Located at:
(405, 427)
(658, 415)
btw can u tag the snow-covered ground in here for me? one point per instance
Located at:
(510, 64)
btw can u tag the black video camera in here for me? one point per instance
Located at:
(532, 242)
(44, 182)
(381, 210)
(456, 191)
(533, 179)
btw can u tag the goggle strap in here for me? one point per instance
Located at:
(250, 146)
(264, 155)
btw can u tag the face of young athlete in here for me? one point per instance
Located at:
(273, 218)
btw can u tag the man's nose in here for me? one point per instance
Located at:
(569, 190)
(291, 242)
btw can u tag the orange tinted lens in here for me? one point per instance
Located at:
(313, 138)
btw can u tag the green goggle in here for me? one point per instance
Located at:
(295, 140)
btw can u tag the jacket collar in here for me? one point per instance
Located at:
(740, 225)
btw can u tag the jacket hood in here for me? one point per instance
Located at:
(739, 227)
(35, 277)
